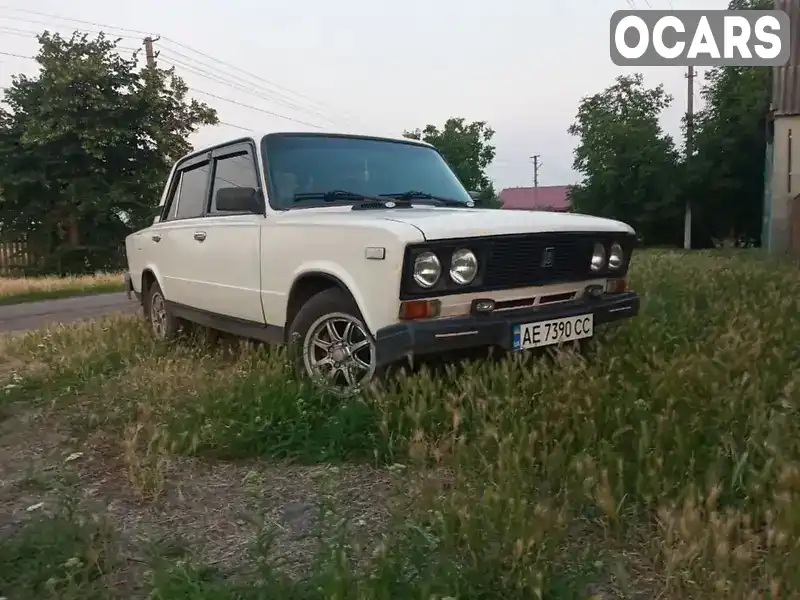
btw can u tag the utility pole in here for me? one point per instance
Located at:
(150, 55)
(687, 222)
(536, 166)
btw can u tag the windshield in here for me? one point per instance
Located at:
(315, 164)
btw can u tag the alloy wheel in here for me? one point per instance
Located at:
(338, 349)
(158, 315)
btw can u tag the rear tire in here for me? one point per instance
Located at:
(332, 344)
(165, 325)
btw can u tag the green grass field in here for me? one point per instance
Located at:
(665, 465)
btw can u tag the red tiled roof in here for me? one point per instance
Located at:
(550, 197)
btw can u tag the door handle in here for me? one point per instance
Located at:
(156, 238)
(200, 235)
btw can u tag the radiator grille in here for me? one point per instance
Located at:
(516, 261)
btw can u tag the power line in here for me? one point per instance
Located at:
(151, 62)
(269, 112)
(222, 62)
(111, 34)
(18, 55)
(15, 31)
(216, 97)
(234, 67)
(138, 32)
(177, 43)
(28, 33)
(211, 71)
(223, 82)
(172, 41)
(235, 126)
(254, 91)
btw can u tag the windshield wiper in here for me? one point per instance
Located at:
(417, 195)
(334, 195)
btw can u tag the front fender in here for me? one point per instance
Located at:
(376, 296)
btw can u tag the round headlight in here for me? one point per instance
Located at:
(616, 257)
(463, 266)
(427, 269)
(598, 257)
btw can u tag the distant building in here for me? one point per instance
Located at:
(781, 231)
(553, 198)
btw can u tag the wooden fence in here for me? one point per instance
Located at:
(14, 258)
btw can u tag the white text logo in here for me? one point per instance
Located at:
(700, 37)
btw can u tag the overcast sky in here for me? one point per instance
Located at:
(375, 66)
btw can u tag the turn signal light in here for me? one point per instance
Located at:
(615, 286)
(419, 309)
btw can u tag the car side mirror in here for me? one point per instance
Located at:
(239, 199)
(475, 195)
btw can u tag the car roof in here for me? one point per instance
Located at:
(257, 136)
(324, 132)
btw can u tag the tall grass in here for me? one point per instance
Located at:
(666, 462)
(27, 289)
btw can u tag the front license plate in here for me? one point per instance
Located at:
(555, 331)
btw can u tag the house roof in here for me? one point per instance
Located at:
(549, 197)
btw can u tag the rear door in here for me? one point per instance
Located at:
(178, 260)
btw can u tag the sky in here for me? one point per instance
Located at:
(374, 66)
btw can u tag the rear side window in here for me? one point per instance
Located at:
(236, 170)
(191, 193)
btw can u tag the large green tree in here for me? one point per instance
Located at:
(725, 174)
(630, 168)
(85, 148)
(467, 148)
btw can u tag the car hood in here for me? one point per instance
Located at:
(452, 223)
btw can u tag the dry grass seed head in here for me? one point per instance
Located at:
(11, 286)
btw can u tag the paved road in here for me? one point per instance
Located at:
(33, 315)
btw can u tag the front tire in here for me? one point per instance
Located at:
(333, 343)
(165, 325)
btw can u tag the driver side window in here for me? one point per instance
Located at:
(234, 170)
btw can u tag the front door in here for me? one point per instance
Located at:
(229, 244)
(210, 259)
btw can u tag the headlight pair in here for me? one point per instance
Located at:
(428, 268)
(614, 260)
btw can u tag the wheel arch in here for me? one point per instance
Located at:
(149, 277)
(310, 283)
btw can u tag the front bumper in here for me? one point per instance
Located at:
(444, 335)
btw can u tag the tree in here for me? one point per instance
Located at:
(725, 177)
(85, 148)
(467, 148)
(630, 167)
